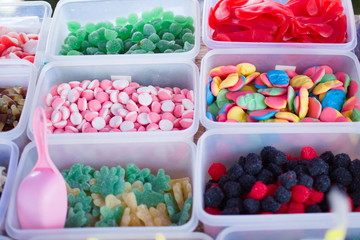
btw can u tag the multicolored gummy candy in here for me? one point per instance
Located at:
(155, 31)
(273, 182)
(241, 94)
(127, 196)
(298, 21)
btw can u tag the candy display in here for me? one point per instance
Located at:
(17, 45)
(275, 182)
(2, 178)
(12, 101)
(298, 21)
(155, 31)
(239, 93)
(118, 105)
(127, 196)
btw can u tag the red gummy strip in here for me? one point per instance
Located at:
(216, 170)
(308, 153)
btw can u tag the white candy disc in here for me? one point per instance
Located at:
(98, 123)
(145, 99)
(115, 121)
(167, 106)
(126, 126)
(189, 105)
(76, 118)
(166, 125)
(120, 84)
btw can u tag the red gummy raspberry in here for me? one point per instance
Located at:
(258, 191)
(308, 153)
(213, 211)
(216, 170)
(289, 157)
(300, 193)
(271, 189)
(316, 196)
(283, 208)
(295, 207)
(357, 209)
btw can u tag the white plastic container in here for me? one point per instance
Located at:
(110, 152)
(143, 236)
(163, 73)
(94, 11)
(227, 145)
(237, 233)
(19, 73)
(28, 17)
(212, 44)
(9, 157)
(4, 238)
(267, 59)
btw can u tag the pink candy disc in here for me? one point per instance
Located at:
(88, 95)
(120, 84)
(98, 123)
(164, 94)
(186, 122)
(143, 118)
(276, 102)
(76, 118)
(126, 126)
(131, 116)
(166, 125)
(154, 117)
(94, 84)
(94, 105)
(106, 84)
(115, 121)
(57, 102)
(168, 106)
(178, 110)
(123, 97)
(56, 116)
(145, 99)
(188, 105)
(82, 104)
(132, 106)
(315, 107)
(102, 97)
(329, 114)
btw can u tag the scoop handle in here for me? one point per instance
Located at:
(39, 126)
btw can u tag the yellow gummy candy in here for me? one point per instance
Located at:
(237, 113)
(321, 96)
(229, 81)
(347, 114)
(289, 116)
(301, 81)
(304, 102)
(326, 86)
(249, 88)
(215, 86)
(246, 68)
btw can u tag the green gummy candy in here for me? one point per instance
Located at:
(65, 48)
(73, 26)
(190, 27)
(168, 36)
(214, 109)
(133, 173)
(185, 30)
(148, 197)
(165, 25)
(121, 21)
(176, 47)
(160, 182)
(94, 38)
(125, 32)
(188, 37)
(132, 18)
(154, 38)
(91, 50)
(99, 53)
(76, 218)
(81, 34)
(82, 199)
(156, 23)
(168, 16)
(327, 77)
(355, 115)
(169, 51)
(179, 51)
(189, 20)
(139, 26)
(252, 101)
(85, 44)
(163, 45)
(78, 176)
(90, 27)
(73, 42)
(137, 37)
(111, 217)
(181, 20)
(105, 24)
(175, 29)
(147, 45)
(110, 34)
(114, 46)
(146, 16)
(171, 206)
(221, 98)
(157, 12)
(188, 46)
(148, 30)
(179, 42)
(127, 44)
(109, 181)
(138, 51)
(102, 45)
(183, 216)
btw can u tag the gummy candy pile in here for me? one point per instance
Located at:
(11, 105)
(302, 21)
(2, 178)
(17, 45)
(127, 196)
(118, 105)
(155, 31)
(275, 182)
(240, 94)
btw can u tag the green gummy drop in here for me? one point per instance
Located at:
(175, 29)
(110, 34)
(355, 115)
(102, 45)
(147, 45)
(85, 44)
(65, 48)
(146, 16)
(124, 33)
(168, 16)
(90, 27)
(181, 20)
(179, 51)
(105, 24)
(168, 36)
(74, 53)
(188, 37)
(99, 53)
(132, 18)
(189, 20)
(176, 47)
(101, 32)
(139, 26)
(157, 12)
(168, 51)
(137, 37)
(138, 51)
(148, 29)
(81, 34)
(114, 46)
(156, 23)
(94, 38)
(154, 38)
(73, 26)
(166, 25)
(179, 42)
(127, 44)
(73, 42)
(121, 21)
(221, 98)
(214, 109)
(91, 50)
(188, 46)
(190, 27)
(184, 31)
(162, 45)
(252, 101)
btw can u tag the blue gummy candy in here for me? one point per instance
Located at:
(334, 98)
(210, 79)
(210, 116)
(278, 77)
(266, 116)
(209, 96)
(260, 86)
(222, 109)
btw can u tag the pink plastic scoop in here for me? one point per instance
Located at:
(41, 198)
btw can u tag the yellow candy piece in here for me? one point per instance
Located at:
(112, 202)
(347, 114)
(321, 96)
(275, 120)
(326, 86)
(289, 116)
(237, 113)
(215, 86)
(301, 81)
(304, 102)
(159, 236)
(246, 68)
(249, 88)
(73, 191)
(229, 81)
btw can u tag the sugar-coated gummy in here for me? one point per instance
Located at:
(234, 202)
(288, 179)
(274, 168)
(213, 197)
(355, 168)
(317, 166)
(247, 181)
(269, 204)
(341, 175)
(232, 189)
(322, 183)
(265, 176)
(341, 160)
(306, 180)
(235, 172)
(253, 164)
(251, 206)
(282, 195)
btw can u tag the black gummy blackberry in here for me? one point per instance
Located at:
(322, 183)
(253, 164)
(247, 181)
(288, 179)
(313, 209)
(306, 180)
(269, 204)
(235, 172)
(271, 154)
(354, 185)
(223, 179)
(275, 169)
(328, 157)
(290, 165)
(282, 195)
(230, 211)
(209, 184)
(341, 175)
(213, 197)
(232, 189)
(251, 206)
(356, 198)
(301, 169)
(317, 166)
(265, 176)
(234, 202)
(355, 168)
(341, 160)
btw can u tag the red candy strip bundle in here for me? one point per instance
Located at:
(305, 21)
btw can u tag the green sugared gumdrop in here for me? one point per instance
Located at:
(146, 16)
(91, 50)
(176, 47)
(76, 218)
(133, 173)
(109, 181)
(139, 26)
(252, 101)
(168, 16)
(148, 197)
(125, 33)
(101, 32)
(181, 20)
(168, 36)
(175, 29)
(148, 29)
(110, 217)
(99, 53)
(147, 45)
(85, 44)
(355, 117)
(81, 34)
(121, 21)
(102, 45)
(179, 51)
(162, 45)
(171, 206)
(83, 199)
(94, 38)
(135, 47)
(105, 24)
(188, 37)
(114, 46)
(138, 51)
(73, 26)
(132, 18)
(137, 37)
(127, 44)
(78, 176)
(188, 46)
(157, 12)
(214, 109)
(154, 38)
(165, 25)
(110, 34)
(221, 98)
(162, 32)
(73, 42)
(156, 23)
(160, 183)
(179, 42)
(168, 51)
(65, 48)
(90, 27)
(185, 30)
(189, 20)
